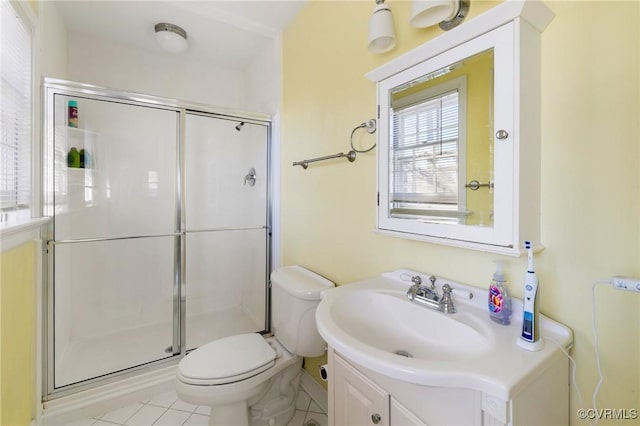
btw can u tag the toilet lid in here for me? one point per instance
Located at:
(228, 359)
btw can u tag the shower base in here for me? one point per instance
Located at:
(90, 358)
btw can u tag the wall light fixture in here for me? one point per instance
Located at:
(447, 13)
(382, 37)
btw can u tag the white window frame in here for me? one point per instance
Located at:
(20, 226)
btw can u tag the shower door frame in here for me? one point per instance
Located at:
(52, 87)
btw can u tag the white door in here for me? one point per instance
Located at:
(226, 227)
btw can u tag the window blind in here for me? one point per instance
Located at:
(15, 114)
(424, 153)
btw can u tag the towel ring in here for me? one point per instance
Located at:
(371, 128)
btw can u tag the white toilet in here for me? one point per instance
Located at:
(248, 379)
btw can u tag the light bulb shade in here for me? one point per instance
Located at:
(425, 13)
(171, 38)
(382, 37)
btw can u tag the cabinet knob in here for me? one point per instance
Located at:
(375, 418)
(502, 134)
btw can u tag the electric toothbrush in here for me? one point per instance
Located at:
(530, 336)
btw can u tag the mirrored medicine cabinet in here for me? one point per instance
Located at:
(459, 134)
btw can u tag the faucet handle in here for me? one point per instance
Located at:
(459, 292)
(413, 290)
(446, 302)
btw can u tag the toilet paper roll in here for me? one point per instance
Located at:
(324, 372)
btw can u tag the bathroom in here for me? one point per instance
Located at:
(324, 217)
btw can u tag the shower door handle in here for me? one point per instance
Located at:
(250, 177)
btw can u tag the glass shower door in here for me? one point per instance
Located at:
(227, 233)
(115, 243)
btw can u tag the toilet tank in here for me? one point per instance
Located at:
(295, 295)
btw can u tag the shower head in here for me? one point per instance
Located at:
(239, 126)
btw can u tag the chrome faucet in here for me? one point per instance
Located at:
(426, 295)
(446, 302)
(417, 282)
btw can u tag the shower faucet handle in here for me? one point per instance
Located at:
(250, 177)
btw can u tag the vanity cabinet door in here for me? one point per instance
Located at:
(401, 416)
(357, 400)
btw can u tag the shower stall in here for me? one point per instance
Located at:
(160, 234)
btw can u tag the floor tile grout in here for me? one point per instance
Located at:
(302, 415)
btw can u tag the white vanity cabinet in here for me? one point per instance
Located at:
(359, 401)
(394, 362)
(361, 397)
(402, 416)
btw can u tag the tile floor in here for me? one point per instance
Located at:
(167, 410)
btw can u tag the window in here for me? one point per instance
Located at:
(16, 114)
(425, 152)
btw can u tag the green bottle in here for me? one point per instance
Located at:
(73, 158)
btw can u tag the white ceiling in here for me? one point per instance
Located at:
(221, 33)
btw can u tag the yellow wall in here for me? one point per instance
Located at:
(590, 180)
(17, 329)
(34, 5)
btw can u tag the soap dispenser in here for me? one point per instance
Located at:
(499, 297)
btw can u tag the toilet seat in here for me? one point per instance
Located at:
(227, 360)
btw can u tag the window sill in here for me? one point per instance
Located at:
(16, 233)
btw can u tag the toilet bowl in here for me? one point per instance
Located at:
(248, 379)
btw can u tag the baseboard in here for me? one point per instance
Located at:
(315, 390)
(96, 401)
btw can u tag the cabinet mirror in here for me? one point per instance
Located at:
(441, 144)
(459, 134)
(442, 172)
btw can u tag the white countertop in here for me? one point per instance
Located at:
(500, 368)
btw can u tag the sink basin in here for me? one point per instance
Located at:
(373, 325)
(387, 321)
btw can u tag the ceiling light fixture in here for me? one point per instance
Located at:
(447, 13)
(171, 38)
(382, 37)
